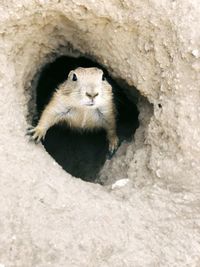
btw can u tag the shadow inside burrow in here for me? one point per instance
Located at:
(83, 153)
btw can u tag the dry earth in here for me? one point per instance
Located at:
(49, 218)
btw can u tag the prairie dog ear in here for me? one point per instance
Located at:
(72, 76)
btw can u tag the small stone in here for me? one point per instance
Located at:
(13, 238)
(195, 53)
(158, 173)
(120, 183)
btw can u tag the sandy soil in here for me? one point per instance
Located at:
(48, 217)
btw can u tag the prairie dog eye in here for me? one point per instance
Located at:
(103, 77)
(74, 77)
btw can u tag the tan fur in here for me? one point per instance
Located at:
(86, 103)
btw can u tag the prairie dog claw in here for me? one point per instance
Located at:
(36, 134)
(113, 146)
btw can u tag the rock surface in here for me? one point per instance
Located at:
(49, 218)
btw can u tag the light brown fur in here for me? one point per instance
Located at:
(85, 103)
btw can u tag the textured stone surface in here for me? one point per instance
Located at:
(49, 218)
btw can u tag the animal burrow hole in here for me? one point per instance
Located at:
(82, 153)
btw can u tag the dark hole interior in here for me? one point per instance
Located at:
(83, 153)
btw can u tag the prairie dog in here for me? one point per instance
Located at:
(84, 100)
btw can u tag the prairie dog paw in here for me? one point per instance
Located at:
(113, 146)
(36, 134)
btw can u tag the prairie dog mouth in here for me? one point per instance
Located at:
(90, 104)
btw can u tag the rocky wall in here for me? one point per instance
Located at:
(49, 218)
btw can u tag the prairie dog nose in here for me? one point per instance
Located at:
(91, 95)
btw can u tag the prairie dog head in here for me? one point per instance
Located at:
(88, 87)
